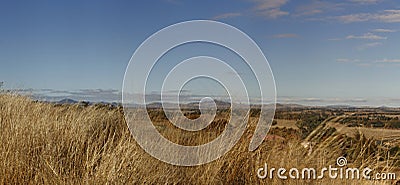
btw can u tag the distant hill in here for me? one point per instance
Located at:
(67, 101)
(86, 103)
(191, 105)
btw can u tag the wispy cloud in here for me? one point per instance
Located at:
(366, 1)
(367, 63)
(93, 95)
(364, 64)
(388, 16)
(367, 36)
(357, 62)
(316, 7)
(384, 30)
(335, 39)
(324, 101)
(270, 9)
(360, 17)
(285, 35)
(227, 15)
(369, 45)
(347, 60)
(388, 61)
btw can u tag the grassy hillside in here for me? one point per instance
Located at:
(75, 144)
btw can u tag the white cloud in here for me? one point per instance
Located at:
(227, 15)
(92, 95)
(270, 9)
(285, 35)
(347, 60)
(321, 101)
(367, 63)
(389, 61)
(316, 7)
(388, 16)
(364, 64)
(369, 45)
(366, 1)
(335, 39)
(361, 17)
(367, 36)
(384, 30)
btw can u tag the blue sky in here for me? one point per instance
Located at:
(318, 50)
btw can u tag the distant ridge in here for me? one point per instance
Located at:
(67, 101)
(226, 105)
(191, 105)
(86, 103)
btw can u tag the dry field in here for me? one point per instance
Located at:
(376, 133)
(43, 143)
(285, 123)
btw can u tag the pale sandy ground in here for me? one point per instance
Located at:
(285, 123)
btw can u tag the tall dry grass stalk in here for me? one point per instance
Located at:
(43, 143)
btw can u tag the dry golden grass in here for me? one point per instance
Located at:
(42, 143)
(377, 133)
(285, 123)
